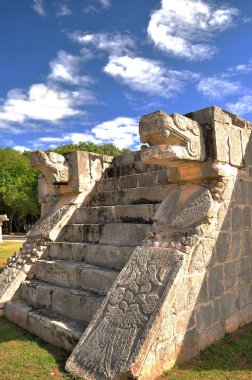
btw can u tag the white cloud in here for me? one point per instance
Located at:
(21, 148)
(105, 3)
(40, 103)
(64, 10)
(114, 44)
(183, 27)
(244, 68)
(39, 7)
(65, 68)
(54, 139)
(242, 106)
(147, 75)
(121, 131)
(217, 87)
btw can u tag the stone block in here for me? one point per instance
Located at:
(244, 271)
(197, 263)
(191, 293)
(232, 323)
(217, 310)
(247, 243)
(215, 282)
(240, 192)
(230, 275)
(75, 304)
(188, 348)
(204, 316)
(60, 272)
(162, 177)
(246, 218)
(221, 132)
(236, 218)
(236, 245)
(243, 297)
(224, 217)
(17, 312)
(210, 114)
(107, 184)
(36, 294)
(249, 191)
(222, 247)
(235, 143)
(148, 179)
(95, 279)
(246, 147)
(243, 315)
(60, 334)
(128, 182)
(227, 305)
(184, 321)
(210, 335)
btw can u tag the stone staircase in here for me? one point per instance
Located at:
(67, 285)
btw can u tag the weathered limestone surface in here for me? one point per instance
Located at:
(174, 218)
(205, 219)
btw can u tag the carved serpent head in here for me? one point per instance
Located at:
(171, 138)
(52, 165)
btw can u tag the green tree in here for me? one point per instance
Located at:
(109, 149)
(18, 187)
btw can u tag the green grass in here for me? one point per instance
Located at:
(6, 250)
(24, 357)
(228, 359)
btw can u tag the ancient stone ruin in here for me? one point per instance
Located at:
(3, 218)
(141, 260)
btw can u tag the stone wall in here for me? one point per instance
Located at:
(203, 228)
(215, 293)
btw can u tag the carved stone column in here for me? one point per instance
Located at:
(3, 218)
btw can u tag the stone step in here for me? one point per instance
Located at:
(150, 178)
(139, 195)
(142, 213)
(76, 275)
(136, 167)
(129, 234)
(127, 158)
(52, 327)
(107, 256)
(72, 303)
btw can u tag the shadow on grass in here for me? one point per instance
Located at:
(38, 354)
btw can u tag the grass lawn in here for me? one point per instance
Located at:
(25, 357)
(7, 249)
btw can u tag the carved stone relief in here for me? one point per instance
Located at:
(53, 166)
(112, 342)
(172, 138)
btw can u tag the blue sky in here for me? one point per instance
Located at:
(87, 70)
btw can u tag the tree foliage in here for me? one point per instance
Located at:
(18, 188)
(108, 149)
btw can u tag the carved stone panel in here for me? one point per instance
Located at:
(185, 207)
(113, 340)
